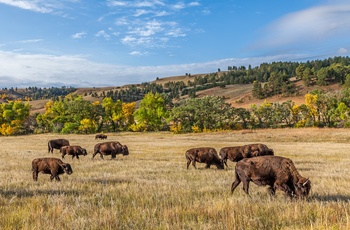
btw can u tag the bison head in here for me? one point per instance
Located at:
(84, 152)
(302, 187)
(125, 150)
(67, 168)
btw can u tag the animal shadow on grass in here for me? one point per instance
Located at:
(329, 198)
(25, 193)
(110, 181)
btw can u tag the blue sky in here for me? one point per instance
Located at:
(78, 43)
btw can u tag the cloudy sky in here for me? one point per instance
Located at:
(79, 43)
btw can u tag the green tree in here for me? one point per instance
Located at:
(65, 115)
(152, 113)
(113, 112)
(307, 76)
(207, 113)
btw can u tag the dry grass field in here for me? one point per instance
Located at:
(152, 189)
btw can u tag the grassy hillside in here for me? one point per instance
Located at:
(152, 189)
(239, 95)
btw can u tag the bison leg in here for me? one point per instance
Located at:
(246, 186)
(35, 175)
(93, 155)
(57, 178)
(194, 164)
(225, 162)
(188, 162)
(235, 183)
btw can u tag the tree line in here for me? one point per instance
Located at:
(73, 114)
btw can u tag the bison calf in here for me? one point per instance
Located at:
(74, 151)
(205, 155)
(100, 136)
(274, 171)
(53, 166)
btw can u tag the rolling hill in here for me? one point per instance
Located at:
(238, 95)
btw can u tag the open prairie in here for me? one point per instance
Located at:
(152, 189)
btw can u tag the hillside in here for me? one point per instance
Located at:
(238, 95)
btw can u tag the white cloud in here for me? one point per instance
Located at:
(179, 6)
(138, 4)
(37, 6)
(177, 32)
(194, 4)
(140, 12)
(311, 25)
(117, 3)
(103, 34)
(19, 70)
(138, 53)
(343, 51)
(31, 41)
(79, 35)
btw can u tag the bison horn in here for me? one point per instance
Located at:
(307, 180)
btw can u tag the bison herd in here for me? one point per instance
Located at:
(55, 166)
(255, 162)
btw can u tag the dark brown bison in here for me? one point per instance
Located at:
(274, 171)
(53, 166)
(100, 136)
(110, 148)
(238, 153)
(57, 144)
(205, 155)
(74, 151)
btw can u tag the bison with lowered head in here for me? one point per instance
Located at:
(274, 171)
(53, 166)
(74, 151)
(205, 155)
(110, 148)
(100, 136)
(238, 153)
(56, 144)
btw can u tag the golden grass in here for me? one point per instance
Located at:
(152, 189)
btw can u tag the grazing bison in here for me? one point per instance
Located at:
(274, 171)
(53, 166)
(205, 155)
(110, 148)
(238, 153)
(57, 144)
(74, 151)
(100, 136)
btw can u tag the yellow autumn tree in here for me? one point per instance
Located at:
(128, 113)
(87, 126)
(310, 102)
